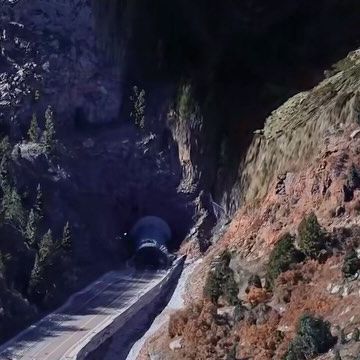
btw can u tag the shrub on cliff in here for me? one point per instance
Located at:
(220, 281)
(351, 263)
(281, 258)
(311, 236)
(313, 337)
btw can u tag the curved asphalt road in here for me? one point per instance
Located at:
(63, 333)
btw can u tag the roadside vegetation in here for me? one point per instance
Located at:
(232, 324)
(36, 263)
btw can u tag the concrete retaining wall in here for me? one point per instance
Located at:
(90, 344)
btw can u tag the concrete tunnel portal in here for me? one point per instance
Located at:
(151, 237)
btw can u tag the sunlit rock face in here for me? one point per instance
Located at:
(49, 55)
(243, 59)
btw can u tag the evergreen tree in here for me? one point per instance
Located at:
(138, 107)
(34, 131)
(38, 206)
(355, 335)
(49, 133)
(36, 289)
(66, 242)
(30, 231)
(311, 236)
(313, 337)
(40, 278)
(5, 146)
(282, 257)
(13, 210)
(4, 173)
(46, 246)
(8, 267)
(2, 266)
(351, 263)
(47, 276)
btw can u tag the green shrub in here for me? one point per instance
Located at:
(311, 236)
(313, 337)
(353, 180)
(255, 281)
(351, 264)
(220, 281)
(231, 355)
(281, 258)
(355, 335)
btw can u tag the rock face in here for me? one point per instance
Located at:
(229, 54)
(205, 97)
(308, 150)
(49, 55)
(104, 173)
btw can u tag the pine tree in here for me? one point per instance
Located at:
(38, 206)
(138, 107)
(351, 263)
(13, 210)
(355, 335)
(49, 133)
(2, 266)
(34, 131)
(4, 173)
(30, 231)
(66, 242)
(5, 146)
(43, 272)
(36, 288)
(46, 246)
(311, 236)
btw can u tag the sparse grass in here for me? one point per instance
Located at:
(187, 107)
(342, 65)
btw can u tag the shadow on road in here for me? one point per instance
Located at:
(115, 290)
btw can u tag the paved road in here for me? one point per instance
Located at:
(62, 333)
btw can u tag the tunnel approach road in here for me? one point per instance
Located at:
(89, 317)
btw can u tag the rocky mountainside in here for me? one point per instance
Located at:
(84, 154)
(237, 62)
(73, 169)
(283, 281)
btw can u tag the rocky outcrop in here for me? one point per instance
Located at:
(306, 122)
(229, 53)
(49, 56)
(302, 168)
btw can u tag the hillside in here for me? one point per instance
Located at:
(236, 122)
(305, 161)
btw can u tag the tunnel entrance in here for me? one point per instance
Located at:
(151, 236)
(151, 258)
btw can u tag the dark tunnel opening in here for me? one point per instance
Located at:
(151, 236)
(150, 258)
